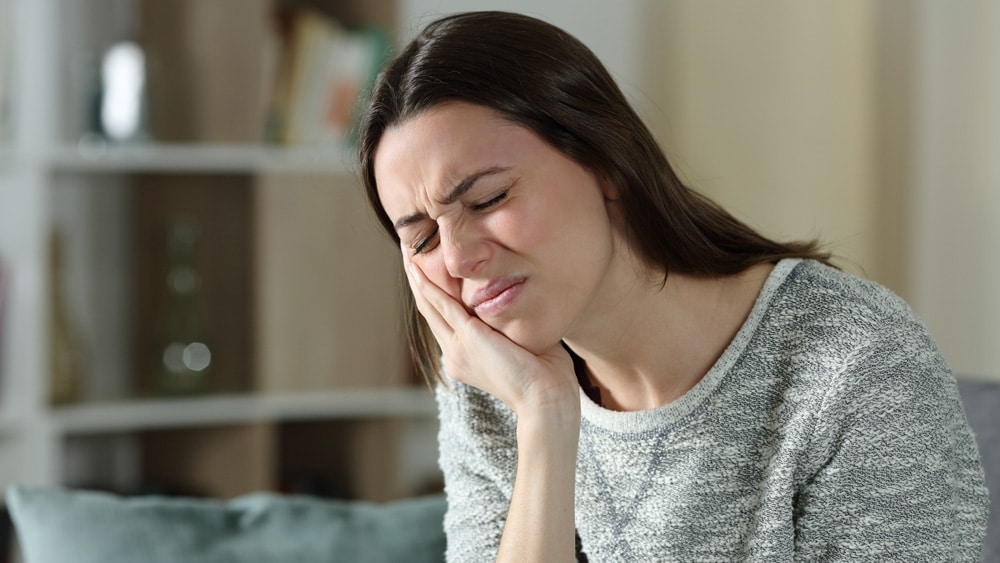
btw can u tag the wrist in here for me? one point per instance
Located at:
(550, 423)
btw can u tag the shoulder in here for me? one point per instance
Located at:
(861, 352)
(829, 316)
(853, 347)
(817, 291)
(879, 388)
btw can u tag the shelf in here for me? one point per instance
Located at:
(110, 201)
(406, 402)
(188, 158)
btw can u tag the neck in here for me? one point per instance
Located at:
(648, 343)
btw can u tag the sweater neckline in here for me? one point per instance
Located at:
(651, 419)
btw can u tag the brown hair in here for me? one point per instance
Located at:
(546, 80)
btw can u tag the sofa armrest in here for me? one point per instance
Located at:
(981, 399)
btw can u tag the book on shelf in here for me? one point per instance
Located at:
(324, 72)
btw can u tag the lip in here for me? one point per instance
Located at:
(497, 296)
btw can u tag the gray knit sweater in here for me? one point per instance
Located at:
(829, 430)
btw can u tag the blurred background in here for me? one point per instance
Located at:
(195, 300)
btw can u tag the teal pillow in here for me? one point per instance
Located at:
(75, 526)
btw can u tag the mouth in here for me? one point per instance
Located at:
(497, 296)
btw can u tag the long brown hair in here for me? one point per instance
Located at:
(546, 80)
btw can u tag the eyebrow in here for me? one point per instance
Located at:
(453, 196)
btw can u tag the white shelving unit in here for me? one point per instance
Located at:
(179, 158)
(44, 175)
(130, 416)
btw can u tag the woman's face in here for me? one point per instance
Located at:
(504, 223)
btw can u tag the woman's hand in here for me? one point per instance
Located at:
(480, 356)
(542, 389)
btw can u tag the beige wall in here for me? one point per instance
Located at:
(955, 172)
(768, 108)
(872, 125)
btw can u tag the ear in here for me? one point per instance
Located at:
(609, 190)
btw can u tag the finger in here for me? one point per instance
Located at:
(429, 299)
(444, 313)
(418, 282)
(451, 310)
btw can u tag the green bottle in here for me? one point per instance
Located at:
(183, 358)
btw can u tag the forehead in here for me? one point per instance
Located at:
(426, 155)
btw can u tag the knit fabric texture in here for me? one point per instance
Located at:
(829, 430)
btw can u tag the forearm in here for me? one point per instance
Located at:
(540, 522)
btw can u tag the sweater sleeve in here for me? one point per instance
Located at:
(477, 441)
(900, 477)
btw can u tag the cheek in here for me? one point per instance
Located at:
(434, 268)
(513, 228)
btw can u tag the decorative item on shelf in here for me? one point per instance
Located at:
(121, 113)
(323, 74)
(68, 362)
(220, 206)
(183, 359)
(113, 92)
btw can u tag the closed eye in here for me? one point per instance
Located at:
(490, 202)
(426, 243)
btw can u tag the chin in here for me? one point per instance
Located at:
(530, 338)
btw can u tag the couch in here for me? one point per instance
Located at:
(77, 526)
(982, 407)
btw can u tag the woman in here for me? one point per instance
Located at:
(629, 373)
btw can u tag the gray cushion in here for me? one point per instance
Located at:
(73, 526)
(981, 400)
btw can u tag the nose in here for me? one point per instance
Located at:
(465, 250)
